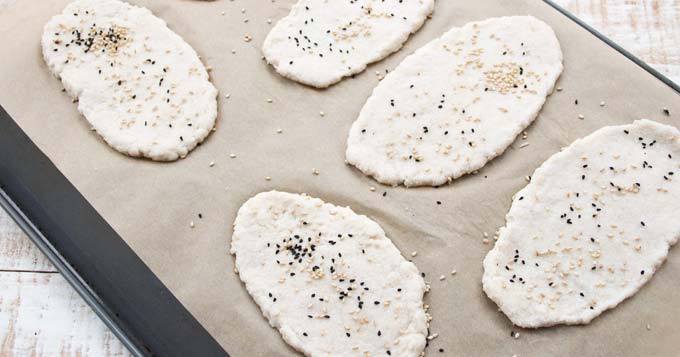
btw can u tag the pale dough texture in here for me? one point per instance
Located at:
(140, 86)
(322, 41)
(456, 103)
(590, 229)
(328, 279)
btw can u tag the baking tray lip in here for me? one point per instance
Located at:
(160, 337)
(92, 257)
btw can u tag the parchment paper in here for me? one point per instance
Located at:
(151, 204)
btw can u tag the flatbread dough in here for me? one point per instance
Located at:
(327, 278)
(140, 86)
(591, 228)
(456, 103)
(321, 41)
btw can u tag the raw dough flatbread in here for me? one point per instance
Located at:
(591, 228)
(321, 41)
(327, 278)
(140, 86)
(456, 103)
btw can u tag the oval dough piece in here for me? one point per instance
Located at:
(327, 278)
(140, 86)
(590, 229)
(320, 41)
(456, 103)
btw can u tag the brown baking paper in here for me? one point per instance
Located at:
(150, 204)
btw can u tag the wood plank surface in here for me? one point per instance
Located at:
(17, 253)
(41, 315)
(650, 29)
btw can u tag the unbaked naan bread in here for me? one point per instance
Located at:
(328, 279)
(592, 227)
(140, 86)
(321, 41)
(456, 103)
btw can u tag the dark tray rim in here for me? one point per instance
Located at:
(108, 275)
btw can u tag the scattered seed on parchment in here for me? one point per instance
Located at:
(485, 241)
(414, 253)
(559, 89)
(233, 156)
(227, 96)
(268, 178)
(315, 172)
(191, 224)
(243, 11)
(442, 277)
(649, 327)
(211, 164)
(580, 116)
(523, 145)
(279, 131)
(269, 100)
(247, 38)
(372, 189)
(321, 113)
(453, 272)
(269, 21)
(233, 51)
(602, 103)
(666, 111)
(222, 13)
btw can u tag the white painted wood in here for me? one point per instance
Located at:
(16, 250)
(650, 29)
(41, 315)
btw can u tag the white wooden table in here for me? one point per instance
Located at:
(40, 314)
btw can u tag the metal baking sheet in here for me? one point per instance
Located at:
(147, 206)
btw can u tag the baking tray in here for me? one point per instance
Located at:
(110, 277)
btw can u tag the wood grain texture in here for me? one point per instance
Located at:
(650, 29)
(41, 315)
(16, 250)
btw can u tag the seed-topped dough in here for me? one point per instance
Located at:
(320, 41)
(328, 279)
(140, 86)
(590, 229)
(456, 103)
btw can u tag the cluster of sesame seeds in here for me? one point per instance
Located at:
(454, 129)
(321, 40)
(571, 252)
(145, 90)
(308, 255)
